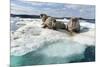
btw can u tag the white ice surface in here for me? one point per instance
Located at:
(31, 37)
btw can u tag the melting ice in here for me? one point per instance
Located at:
(30, 37)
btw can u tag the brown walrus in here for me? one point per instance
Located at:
(51, 22)
(73, 25)
(58, 25)
(43, 17)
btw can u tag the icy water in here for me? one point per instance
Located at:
(59, 52)
(56, 53)
(36, 58)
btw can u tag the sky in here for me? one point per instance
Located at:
(52, 9)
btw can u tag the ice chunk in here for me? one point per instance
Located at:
(32, 37)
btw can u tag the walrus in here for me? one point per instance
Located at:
(43, 17)
(58, 25)
(73, 25)
(47, 21)
(51, 22)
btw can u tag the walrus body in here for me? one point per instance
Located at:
(43, 17)
(73, 25)
(58, 25)
(51, 23)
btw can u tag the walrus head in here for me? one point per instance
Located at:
(74, 19)
(43, 17)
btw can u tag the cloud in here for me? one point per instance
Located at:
(53, 9)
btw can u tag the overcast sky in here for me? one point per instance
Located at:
(52, 9)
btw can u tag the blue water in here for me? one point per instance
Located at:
(38, 58)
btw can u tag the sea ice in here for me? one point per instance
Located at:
(52, 43)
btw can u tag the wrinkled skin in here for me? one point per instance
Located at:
(58, 25)
(73, 25)
(43, 17)
(51, 23)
